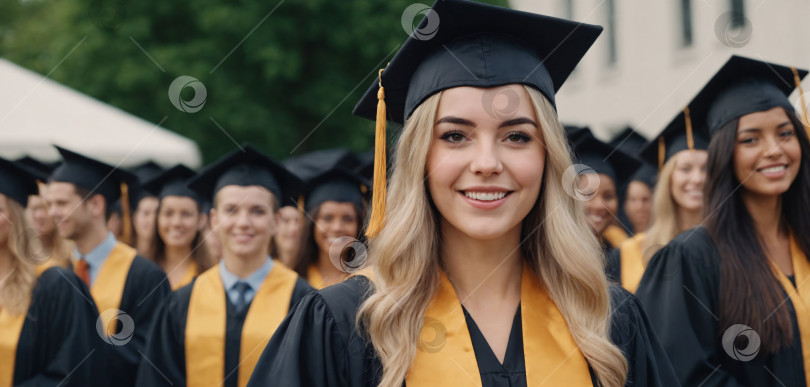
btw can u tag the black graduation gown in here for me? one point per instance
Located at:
(679, 291)
(318, 344)
(613, 265)
(145, 289)
(166, 349)
(58, 337)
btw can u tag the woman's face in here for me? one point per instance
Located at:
(600, 209)
(686, 183)
(335, 220)
(766, 153)
(143, 219)
(178, 221)
(286, 236)
(486, 159)
(638, 205)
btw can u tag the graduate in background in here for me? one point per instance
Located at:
(145, 205)
(483, 269)
(606, 169)
(212, 331)
(58, 250)
(729, 300)
(79, 193)
(680, 151)
(177, 241)
(635, 208)
(335, 211)
(47, 321)
(288, 231)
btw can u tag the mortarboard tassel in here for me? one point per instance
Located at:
(301, 209)
(690, 140)
(126, 230)
(798, 82)
(378, 196)
(662, 152)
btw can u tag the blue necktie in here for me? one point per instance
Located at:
(241, 301)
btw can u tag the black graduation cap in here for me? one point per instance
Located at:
(147, 171)
(92, 175)
(338, 185)
(605, 159)
(628, 141)
(246, 166)
(311, 164)
(366, 166)
(680, 134)
(17, 182)
(172, 182)
(38, 168)
(742, 86)
(573, 133)
(475, 45)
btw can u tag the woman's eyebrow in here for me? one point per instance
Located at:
(455, 120)
(518, 121)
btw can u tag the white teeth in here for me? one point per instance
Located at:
(596, 218)
(773, 169)
(485, 196)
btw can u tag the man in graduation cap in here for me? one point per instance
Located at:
(212, 331)
(126, 287)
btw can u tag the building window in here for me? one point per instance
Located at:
(611, 33)
(738, 13)
(686, 23)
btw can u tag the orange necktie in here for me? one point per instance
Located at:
(83, 271)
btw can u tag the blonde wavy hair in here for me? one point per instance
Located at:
(664, 226)
(559, 247)
(16, 289)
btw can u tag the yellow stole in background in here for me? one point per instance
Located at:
(108, 288)
(314, 277)
(551, 355)
(614, 235)
(191, 272)
(799, 297)
(207, 319)
(632, 263)
(10, 329)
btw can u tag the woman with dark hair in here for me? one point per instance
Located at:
(177, 241)
(729, 300)
(335, 210)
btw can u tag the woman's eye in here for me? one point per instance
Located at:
(749, 140)
(518, 137)
(453, 137)
(787, 133)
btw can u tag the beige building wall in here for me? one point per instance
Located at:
(655, 74)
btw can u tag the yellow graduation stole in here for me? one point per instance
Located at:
(314, 277)
(799, 297)
(614, 235)
(206, 324)
(10, 329)
(632, 262)
(191, 272)
(551, 355)
(112, 277)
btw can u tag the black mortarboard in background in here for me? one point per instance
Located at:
(40, 169)
(605, 159)
(574, 133)
(17, 182)
(312, 164)
(464, 43)
(246, 166)
(742, 86)
(628, 141)
(99, 178)
(172, 182)
(337, 185)
(680, 134)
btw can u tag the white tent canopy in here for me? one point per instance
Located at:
(37, 112)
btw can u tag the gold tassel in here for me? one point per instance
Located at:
(375, 224)
(690, 141)
(798, 82)
(301, 215)
(126, 227)
(662, 153)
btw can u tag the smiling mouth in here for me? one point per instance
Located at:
(776, 169)
(486, 196)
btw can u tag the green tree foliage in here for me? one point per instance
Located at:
(283, 75)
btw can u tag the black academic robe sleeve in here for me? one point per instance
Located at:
(58, 343)
(318, 344)
(679, 293)
(164, 362)
(613, 265)
(145, 290)
(631, 331)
